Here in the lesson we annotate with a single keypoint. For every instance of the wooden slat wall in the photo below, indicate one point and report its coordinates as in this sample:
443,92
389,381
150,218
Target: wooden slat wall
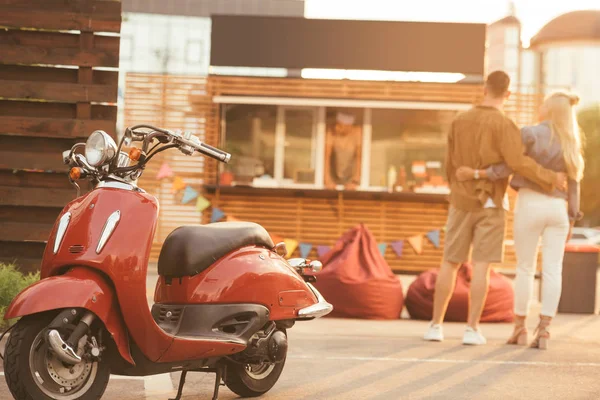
173,102
165,100
51,96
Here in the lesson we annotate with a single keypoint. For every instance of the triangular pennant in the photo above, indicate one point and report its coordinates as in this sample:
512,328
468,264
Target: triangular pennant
217,214
178,184
398,247
434,237
290,245
189,194
305,249
322,250
202,203
417,243
164,172
444,228
229,218
382,248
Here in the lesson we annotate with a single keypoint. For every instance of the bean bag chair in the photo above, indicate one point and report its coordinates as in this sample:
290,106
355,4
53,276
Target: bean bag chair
498,306
357,280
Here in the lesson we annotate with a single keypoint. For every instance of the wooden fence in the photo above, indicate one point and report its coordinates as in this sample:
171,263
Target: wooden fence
173,102
51,96
186,103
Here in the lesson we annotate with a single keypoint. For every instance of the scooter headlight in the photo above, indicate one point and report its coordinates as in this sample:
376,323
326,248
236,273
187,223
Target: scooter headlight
100,149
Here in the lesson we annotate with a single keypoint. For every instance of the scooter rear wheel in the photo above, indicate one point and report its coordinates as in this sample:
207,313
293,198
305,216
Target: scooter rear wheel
33,373
252,380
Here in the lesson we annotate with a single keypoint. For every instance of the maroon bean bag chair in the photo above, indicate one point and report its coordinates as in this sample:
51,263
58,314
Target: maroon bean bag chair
498,305
357,280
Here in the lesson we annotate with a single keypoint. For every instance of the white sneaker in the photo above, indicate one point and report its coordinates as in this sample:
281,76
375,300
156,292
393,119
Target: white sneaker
473,337
434,333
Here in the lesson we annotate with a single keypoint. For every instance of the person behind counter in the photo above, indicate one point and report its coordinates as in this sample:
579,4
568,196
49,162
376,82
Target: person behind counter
343,153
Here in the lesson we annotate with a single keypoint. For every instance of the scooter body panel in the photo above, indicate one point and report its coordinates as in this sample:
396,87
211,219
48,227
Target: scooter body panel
123,259
248,275
79,287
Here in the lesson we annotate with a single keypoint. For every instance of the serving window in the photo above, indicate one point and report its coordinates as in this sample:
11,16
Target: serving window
396,149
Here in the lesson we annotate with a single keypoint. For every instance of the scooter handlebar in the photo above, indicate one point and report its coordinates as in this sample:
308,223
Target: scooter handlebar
215,153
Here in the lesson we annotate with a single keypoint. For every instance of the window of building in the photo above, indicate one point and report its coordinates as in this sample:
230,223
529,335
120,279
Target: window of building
299,136
408,148
336,147
194,50
126,53
250,138
511,37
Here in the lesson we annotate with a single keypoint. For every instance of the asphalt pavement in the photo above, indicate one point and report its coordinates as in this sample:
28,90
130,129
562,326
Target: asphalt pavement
358,359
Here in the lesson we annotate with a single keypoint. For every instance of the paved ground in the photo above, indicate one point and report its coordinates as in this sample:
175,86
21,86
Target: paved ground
352,359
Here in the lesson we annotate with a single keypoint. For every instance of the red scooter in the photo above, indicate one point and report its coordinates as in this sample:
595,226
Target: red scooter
223,302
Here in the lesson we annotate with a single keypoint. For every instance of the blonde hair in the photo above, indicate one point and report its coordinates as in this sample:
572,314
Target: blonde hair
559,110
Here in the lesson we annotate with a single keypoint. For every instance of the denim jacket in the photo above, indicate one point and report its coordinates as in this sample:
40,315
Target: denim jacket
547,152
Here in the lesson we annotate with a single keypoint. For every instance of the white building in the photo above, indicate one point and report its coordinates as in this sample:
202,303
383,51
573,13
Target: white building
568,54
173,36
564,54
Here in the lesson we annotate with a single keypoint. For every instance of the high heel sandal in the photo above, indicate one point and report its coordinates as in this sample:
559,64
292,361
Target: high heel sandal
519,335
542,334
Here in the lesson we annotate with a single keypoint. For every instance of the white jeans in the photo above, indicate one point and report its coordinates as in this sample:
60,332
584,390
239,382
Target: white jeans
539,215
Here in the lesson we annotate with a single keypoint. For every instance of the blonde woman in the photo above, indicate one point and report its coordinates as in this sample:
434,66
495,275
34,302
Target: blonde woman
555,144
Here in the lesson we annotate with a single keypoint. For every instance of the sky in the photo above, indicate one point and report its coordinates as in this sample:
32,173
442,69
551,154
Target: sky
534,14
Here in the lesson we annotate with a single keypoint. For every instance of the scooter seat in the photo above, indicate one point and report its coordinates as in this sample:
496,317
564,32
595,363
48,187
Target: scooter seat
189,250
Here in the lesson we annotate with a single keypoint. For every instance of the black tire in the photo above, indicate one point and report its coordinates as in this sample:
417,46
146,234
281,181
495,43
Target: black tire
242,384
17,372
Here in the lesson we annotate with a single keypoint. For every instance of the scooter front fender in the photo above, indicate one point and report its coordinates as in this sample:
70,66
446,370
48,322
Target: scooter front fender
79,287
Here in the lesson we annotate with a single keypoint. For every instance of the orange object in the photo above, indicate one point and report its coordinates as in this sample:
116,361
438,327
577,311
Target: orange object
582,248
178,184
357,280
135,153
416,243
75,173
498,305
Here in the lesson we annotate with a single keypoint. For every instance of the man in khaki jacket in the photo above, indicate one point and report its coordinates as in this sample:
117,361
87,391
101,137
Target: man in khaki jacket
479,138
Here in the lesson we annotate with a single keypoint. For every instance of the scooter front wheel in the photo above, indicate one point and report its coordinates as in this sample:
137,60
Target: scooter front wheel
33,372
252,380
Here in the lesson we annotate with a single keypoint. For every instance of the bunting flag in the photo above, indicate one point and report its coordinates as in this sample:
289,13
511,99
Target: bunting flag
178,184
305,249
217,214
164,172
382,248
202,203
434,237
290,245
444,228
229,218
189,194
398,247
322,250
417,243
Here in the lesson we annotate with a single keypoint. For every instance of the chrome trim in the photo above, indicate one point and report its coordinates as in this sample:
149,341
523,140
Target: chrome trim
60,231
107,231
320,309
123,160
62,350
116,185
296,262
110,148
